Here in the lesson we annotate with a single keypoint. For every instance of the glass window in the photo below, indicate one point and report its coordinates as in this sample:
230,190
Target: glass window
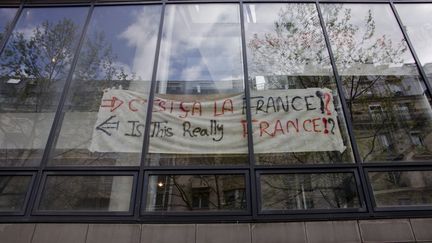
419,28
6,17
86,193
13,191
385,95
296,113
33,69
198,109
308,191
106,108
402,188
180,193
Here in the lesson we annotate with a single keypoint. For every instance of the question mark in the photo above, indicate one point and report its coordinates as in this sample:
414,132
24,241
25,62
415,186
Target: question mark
331,121
327,98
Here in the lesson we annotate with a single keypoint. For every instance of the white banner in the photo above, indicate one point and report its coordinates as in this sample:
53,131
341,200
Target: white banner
297,120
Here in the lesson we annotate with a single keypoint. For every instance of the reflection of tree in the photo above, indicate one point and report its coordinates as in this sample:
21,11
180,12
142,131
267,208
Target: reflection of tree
303,191
294,52
40,62
201,192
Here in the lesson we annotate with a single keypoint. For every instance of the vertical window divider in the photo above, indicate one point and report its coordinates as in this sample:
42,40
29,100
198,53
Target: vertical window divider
366,193
11,27
146,137
412,50
58,116
253,182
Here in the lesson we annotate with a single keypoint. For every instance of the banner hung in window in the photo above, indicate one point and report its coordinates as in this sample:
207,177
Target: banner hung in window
297,120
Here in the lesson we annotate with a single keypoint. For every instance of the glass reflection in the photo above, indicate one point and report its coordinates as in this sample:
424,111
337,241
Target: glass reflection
198,109
33,69
87,193
287,54
386,97
402,188
107,104
419,27
13,191
308,191
173,193
6,17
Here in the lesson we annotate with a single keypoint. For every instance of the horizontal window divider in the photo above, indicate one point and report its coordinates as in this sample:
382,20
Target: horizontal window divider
305,171
194,168
196,172
194,213
398,168
92,168
97,4
305,166
55,5
81,213
14,170
90,173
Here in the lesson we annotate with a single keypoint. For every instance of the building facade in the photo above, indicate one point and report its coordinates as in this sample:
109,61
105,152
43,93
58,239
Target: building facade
215,121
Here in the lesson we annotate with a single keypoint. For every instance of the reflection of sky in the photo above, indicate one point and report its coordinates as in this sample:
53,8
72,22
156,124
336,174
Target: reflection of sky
132,32
32,17
6,16
260,20
418,21
201,42
383,17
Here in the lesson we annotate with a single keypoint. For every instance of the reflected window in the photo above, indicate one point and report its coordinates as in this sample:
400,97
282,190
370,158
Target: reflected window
86,193
183,193
384,92
106,108
402,188
308,191
199,102
33,68
296,114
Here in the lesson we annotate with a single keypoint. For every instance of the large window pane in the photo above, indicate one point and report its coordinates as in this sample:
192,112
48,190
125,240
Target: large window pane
33,69
6,17
13,191
386,97
198,109
174,193
107,104
87,193
402,188
419,26
295,104
308,191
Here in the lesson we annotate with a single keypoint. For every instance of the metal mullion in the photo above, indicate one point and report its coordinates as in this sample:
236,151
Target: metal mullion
187,167
11,28
413,52
146,137
348,122
252,177
57,118
152,2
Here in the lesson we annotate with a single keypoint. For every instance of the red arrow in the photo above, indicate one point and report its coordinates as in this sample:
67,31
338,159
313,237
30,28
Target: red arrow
113,103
